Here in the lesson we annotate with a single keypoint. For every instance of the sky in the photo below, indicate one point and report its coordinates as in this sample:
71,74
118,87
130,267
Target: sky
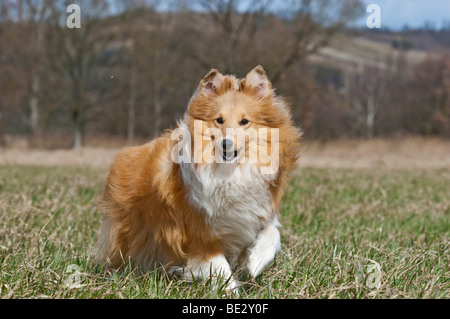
395,14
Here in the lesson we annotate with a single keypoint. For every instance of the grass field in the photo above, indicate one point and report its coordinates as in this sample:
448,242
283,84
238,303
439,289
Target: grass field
347,234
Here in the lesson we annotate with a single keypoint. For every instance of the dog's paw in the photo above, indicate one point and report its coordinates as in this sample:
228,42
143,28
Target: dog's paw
232,287
177,272
256,264
263,252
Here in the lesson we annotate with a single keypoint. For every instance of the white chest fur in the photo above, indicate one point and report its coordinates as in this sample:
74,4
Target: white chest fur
234,198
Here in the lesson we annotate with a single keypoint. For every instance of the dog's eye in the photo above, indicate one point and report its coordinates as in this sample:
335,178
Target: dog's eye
220,120
243,122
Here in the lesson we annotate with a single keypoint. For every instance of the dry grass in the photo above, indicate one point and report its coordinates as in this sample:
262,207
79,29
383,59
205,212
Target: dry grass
89,157
405,153
338,223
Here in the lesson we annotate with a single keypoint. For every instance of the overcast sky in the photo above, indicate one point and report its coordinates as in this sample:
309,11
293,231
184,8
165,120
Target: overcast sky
397,13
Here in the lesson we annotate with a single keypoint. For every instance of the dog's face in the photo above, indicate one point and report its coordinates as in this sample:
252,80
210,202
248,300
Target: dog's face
229,126
236,120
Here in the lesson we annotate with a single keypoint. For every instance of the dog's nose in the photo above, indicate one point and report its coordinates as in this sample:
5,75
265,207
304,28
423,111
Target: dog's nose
227,144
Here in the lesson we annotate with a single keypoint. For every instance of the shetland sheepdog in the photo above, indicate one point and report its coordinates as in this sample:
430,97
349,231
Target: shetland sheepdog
202,200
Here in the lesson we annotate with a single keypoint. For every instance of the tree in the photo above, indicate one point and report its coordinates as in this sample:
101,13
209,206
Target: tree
242,34
429,107
367,90
147,64
23,58
312,25
75,54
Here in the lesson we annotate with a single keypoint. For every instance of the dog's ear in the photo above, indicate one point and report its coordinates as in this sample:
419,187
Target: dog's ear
211,82
257,79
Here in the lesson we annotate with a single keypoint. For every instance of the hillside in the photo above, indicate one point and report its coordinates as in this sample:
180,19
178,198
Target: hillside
373,49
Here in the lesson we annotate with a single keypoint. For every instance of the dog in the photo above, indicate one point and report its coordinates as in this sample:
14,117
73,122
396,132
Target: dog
202,200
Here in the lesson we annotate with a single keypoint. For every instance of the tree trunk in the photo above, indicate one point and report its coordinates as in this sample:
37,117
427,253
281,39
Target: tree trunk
78,138
370,120
78,130
78,111
35,87
132,103
34,112
157,108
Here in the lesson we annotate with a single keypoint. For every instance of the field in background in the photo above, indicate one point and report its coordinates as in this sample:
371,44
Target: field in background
401,153
379,231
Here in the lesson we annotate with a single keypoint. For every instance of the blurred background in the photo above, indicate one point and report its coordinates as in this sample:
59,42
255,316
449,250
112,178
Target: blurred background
128,73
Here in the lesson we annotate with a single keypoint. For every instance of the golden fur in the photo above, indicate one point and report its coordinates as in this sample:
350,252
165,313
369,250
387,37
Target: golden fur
150,218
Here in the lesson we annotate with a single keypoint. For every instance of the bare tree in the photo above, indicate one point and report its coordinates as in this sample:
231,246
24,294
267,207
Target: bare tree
367,90
38,11
75,54
241,31
23,55
145,50
428,108
312,25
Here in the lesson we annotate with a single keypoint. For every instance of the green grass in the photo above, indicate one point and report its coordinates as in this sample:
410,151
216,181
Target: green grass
337,225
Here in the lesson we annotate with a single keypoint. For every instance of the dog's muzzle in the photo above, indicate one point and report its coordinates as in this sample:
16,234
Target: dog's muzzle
228,152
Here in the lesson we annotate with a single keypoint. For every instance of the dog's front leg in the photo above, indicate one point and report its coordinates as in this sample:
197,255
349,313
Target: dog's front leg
267,245
215,267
